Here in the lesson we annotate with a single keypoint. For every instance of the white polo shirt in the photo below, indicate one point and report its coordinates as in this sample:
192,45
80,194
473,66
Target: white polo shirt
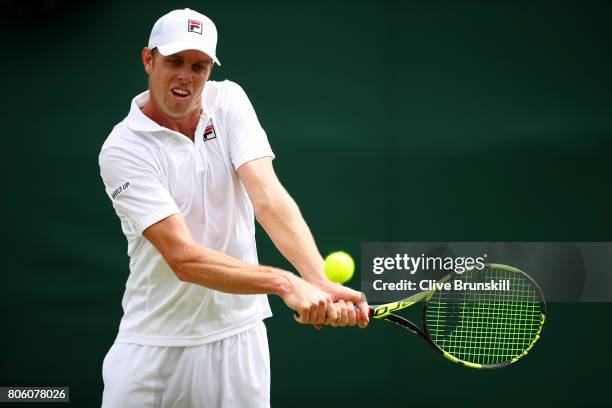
151,172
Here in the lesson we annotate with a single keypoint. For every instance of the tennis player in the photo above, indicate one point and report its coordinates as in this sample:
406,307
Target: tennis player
187,171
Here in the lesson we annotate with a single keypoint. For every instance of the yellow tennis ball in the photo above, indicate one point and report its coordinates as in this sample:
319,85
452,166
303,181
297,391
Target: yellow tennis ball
339,267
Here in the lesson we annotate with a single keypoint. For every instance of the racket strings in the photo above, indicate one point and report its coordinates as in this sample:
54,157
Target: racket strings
485,326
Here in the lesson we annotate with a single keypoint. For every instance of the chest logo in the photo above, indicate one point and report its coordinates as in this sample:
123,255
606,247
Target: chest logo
209,131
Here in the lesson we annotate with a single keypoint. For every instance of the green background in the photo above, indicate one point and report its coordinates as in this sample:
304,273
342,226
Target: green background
391,121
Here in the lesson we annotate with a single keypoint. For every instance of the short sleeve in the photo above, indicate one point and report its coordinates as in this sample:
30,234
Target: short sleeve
135,188
248,141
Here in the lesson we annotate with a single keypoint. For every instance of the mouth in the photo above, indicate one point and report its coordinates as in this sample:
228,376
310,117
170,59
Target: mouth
180,93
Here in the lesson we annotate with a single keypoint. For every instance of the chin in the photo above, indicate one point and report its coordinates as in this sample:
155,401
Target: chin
179,113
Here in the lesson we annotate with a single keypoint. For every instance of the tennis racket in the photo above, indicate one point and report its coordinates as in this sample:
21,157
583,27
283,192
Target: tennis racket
477,328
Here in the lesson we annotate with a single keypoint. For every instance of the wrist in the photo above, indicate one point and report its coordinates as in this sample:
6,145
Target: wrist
314,276
312,271
282,282
319,281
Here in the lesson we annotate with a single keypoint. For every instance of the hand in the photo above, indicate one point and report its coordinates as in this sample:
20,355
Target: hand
311,304
352,308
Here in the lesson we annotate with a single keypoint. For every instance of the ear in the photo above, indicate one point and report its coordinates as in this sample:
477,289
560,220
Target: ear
147,60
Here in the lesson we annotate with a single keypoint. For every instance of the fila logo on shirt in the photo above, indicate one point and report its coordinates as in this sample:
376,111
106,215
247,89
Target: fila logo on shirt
209,131
194,26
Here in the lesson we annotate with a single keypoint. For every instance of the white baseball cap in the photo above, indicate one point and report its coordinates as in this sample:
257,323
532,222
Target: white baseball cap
181,30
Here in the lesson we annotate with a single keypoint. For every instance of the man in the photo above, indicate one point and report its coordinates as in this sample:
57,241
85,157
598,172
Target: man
187,170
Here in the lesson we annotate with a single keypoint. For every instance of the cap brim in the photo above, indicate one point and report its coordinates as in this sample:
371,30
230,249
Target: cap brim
178,46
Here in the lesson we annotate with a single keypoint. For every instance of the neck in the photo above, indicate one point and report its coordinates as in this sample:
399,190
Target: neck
186,124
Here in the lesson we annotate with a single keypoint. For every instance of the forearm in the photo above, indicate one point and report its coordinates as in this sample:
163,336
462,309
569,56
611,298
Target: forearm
216,270
284,224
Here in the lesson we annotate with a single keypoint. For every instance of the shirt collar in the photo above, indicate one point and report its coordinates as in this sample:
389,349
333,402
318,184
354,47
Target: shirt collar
139,122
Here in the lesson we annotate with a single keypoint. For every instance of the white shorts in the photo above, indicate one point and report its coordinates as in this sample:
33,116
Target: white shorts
233,372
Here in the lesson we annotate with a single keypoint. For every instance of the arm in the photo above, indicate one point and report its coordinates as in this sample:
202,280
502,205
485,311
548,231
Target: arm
213,269
280,217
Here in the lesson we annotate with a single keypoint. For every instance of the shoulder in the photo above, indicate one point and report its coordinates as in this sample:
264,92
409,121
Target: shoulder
124,143
224,86
219,94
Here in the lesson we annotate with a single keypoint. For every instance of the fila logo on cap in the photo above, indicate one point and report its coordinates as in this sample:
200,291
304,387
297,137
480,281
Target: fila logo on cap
194,26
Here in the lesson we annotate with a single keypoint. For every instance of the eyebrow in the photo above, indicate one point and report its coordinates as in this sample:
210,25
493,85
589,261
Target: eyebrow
208,61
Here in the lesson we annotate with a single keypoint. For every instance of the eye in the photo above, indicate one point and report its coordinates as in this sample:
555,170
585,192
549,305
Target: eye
199,68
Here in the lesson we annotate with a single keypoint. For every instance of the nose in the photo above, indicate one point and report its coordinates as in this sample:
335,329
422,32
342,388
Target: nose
184,75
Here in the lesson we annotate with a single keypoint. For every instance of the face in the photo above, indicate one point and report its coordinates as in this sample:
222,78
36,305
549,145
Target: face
176,81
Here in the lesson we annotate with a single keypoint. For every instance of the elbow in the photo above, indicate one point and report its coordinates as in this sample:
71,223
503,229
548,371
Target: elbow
180,265
274,204
271,200
181,271
263,207
270,212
